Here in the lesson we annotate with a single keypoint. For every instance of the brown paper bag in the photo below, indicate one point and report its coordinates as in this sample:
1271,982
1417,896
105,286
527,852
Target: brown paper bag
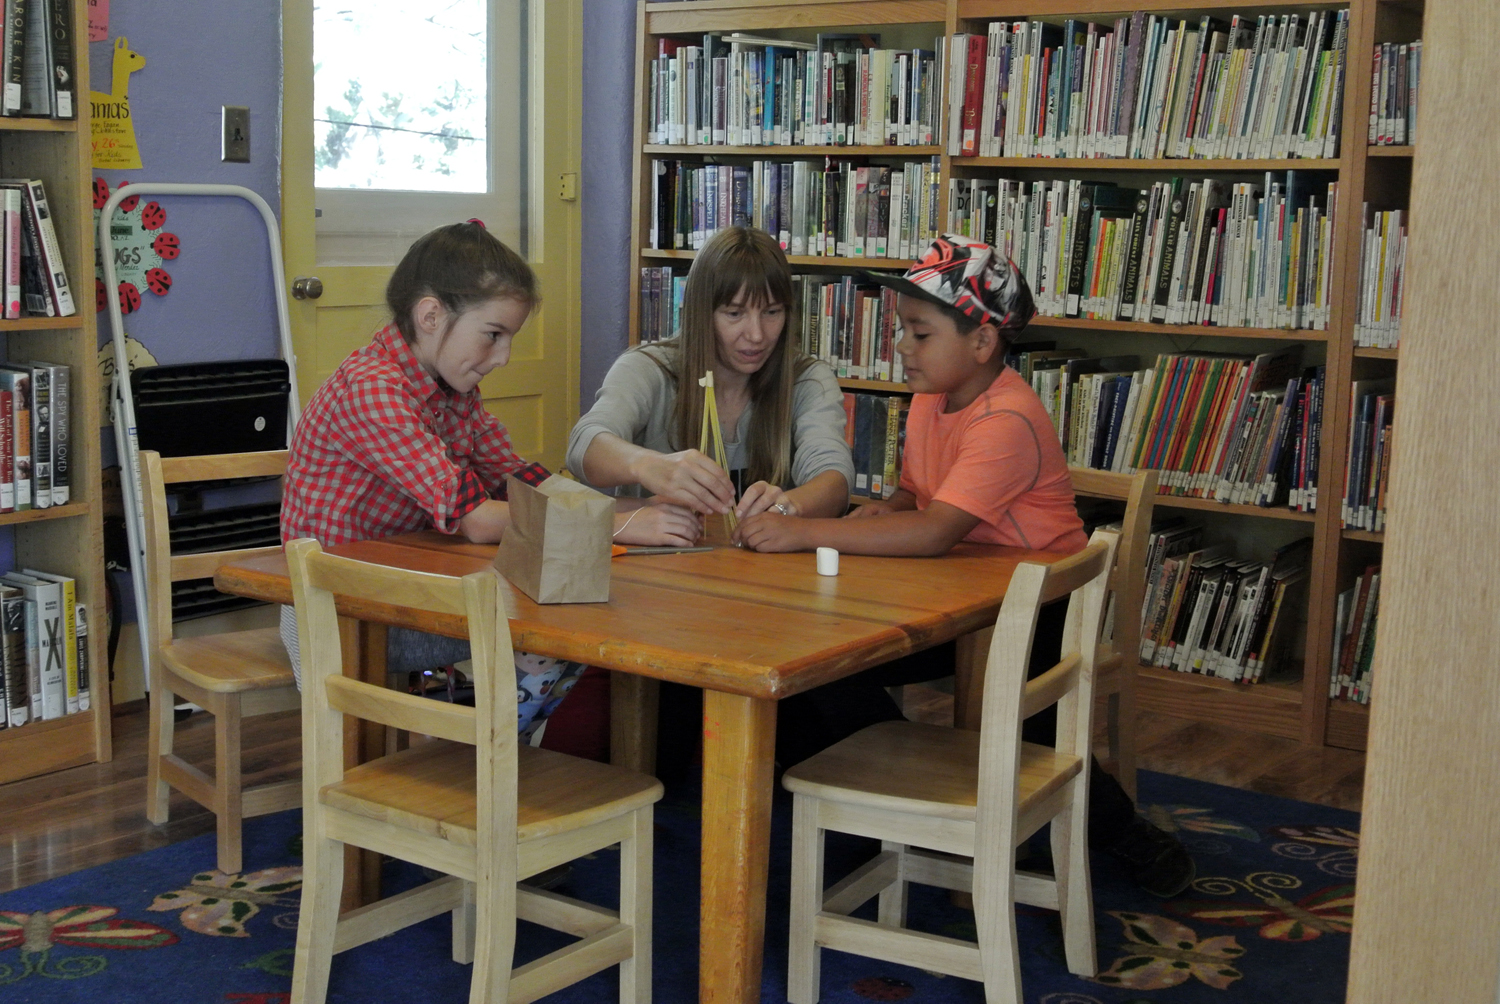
557,547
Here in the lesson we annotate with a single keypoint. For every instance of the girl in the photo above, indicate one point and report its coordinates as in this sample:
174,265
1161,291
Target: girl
398,438
782,411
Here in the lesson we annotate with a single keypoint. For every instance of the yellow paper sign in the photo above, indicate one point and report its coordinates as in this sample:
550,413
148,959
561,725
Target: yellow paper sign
113,128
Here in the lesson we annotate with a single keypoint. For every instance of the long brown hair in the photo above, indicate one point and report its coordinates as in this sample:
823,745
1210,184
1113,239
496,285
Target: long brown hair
738,260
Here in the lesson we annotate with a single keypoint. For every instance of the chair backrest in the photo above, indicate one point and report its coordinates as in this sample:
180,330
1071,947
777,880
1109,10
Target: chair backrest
1128,583
1009,698
162,568
328,695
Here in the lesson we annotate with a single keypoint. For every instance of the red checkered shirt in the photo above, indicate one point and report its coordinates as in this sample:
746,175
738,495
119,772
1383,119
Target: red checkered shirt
383,448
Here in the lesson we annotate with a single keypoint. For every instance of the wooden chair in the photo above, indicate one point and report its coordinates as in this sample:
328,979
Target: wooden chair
472,803
936,796
1115,680
232,676
1115,671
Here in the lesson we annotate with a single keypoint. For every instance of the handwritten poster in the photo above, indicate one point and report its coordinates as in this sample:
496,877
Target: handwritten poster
114,130
98,20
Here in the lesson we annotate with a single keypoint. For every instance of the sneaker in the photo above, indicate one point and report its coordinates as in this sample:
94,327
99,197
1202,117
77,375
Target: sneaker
1157,860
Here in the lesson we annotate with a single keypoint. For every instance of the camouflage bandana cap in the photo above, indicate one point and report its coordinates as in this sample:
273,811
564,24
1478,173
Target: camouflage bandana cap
971,277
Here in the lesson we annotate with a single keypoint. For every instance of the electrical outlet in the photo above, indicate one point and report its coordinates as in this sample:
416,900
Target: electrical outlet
236,146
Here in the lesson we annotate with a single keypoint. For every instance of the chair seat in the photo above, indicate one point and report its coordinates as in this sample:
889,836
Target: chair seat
924,769
430,789
231,663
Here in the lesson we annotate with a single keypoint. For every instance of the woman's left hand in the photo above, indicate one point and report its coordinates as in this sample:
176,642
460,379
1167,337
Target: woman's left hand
771,531
762,496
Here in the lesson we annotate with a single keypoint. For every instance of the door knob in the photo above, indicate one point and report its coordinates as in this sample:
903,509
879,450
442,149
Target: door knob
307,287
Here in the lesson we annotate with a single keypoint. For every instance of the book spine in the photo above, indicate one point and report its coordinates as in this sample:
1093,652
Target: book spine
37,89
62,432
12,220
81,647
57,273
15,55
68,631
20,388
41,437
7,452
13,651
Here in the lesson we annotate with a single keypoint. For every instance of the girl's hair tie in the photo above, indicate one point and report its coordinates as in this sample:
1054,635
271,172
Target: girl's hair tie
478,221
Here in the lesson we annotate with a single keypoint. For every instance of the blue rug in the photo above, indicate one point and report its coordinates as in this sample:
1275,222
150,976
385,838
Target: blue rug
1268,920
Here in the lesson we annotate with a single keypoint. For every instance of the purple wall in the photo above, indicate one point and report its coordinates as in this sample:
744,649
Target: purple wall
200,56
608,107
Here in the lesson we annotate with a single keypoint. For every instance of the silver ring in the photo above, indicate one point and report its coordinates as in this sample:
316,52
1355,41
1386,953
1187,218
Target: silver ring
781,507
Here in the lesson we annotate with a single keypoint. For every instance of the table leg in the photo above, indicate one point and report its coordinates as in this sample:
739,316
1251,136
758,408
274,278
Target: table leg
632,721
739,744
971,654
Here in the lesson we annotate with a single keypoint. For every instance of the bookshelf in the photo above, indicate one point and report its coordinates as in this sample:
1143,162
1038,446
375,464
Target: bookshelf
1297,708
66,539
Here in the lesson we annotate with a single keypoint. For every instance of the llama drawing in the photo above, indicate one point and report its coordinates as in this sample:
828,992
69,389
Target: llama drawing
114,130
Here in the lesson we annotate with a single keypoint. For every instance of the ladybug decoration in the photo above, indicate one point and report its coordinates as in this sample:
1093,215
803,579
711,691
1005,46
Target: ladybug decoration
158,281
139,247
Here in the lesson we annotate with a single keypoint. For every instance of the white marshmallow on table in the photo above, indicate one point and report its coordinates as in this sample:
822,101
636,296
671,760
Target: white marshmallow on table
828,561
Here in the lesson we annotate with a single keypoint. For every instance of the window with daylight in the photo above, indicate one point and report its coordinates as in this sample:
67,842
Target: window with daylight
419,119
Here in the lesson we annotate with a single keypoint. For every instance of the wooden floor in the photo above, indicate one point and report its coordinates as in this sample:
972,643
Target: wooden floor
63,822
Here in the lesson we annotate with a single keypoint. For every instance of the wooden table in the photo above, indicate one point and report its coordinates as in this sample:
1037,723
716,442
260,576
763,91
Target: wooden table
747,628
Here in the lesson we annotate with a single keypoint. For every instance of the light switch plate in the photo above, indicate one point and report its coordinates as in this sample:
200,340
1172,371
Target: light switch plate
236,145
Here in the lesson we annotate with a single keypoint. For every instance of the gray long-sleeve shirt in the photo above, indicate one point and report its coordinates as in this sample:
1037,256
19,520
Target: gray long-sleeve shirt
637,398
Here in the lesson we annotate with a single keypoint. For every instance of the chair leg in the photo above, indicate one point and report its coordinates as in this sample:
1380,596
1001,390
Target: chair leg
228,800
1070,862
892,909
494,926
463,922
635,907
804,957
322,887
1126,726
995,920
159,737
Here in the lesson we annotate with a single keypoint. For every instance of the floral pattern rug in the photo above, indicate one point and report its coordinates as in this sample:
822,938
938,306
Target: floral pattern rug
1268,919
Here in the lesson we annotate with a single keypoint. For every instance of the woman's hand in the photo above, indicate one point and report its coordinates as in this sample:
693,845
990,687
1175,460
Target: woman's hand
771,531
663,525
762,496
688,479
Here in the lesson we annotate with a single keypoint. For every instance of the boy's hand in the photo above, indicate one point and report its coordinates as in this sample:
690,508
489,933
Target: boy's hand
762,496
661,525
771,531
689,479
870,509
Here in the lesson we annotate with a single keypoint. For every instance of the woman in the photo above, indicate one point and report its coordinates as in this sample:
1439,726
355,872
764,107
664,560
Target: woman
781,411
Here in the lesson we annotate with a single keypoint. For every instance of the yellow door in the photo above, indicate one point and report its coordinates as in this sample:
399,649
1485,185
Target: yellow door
533,157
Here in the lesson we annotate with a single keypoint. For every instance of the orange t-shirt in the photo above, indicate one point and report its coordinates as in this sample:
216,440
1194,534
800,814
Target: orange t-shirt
998,459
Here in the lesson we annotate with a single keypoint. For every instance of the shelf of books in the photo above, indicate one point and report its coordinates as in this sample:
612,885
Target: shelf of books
1209,205
54,700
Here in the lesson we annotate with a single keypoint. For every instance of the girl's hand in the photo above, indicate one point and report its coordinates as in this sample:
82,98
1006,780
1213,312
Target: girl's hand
762,496
688,479
870,509
658,525
771,531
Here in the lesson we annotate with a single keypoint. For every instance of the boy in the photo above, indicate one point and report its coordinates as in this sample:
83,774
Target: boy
982,464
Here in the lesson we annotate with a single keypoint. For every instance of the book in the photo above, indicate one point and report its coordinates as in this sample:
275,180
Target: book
59,627
81,647
15,387
13,663
45,601
41,434
10,219
61,47
37,88
53,268
14,55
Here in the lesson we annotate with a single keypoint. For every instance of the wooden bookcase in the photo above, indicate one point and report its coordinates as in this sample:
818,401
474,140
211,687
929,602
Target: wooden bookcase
1299,709
66,539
